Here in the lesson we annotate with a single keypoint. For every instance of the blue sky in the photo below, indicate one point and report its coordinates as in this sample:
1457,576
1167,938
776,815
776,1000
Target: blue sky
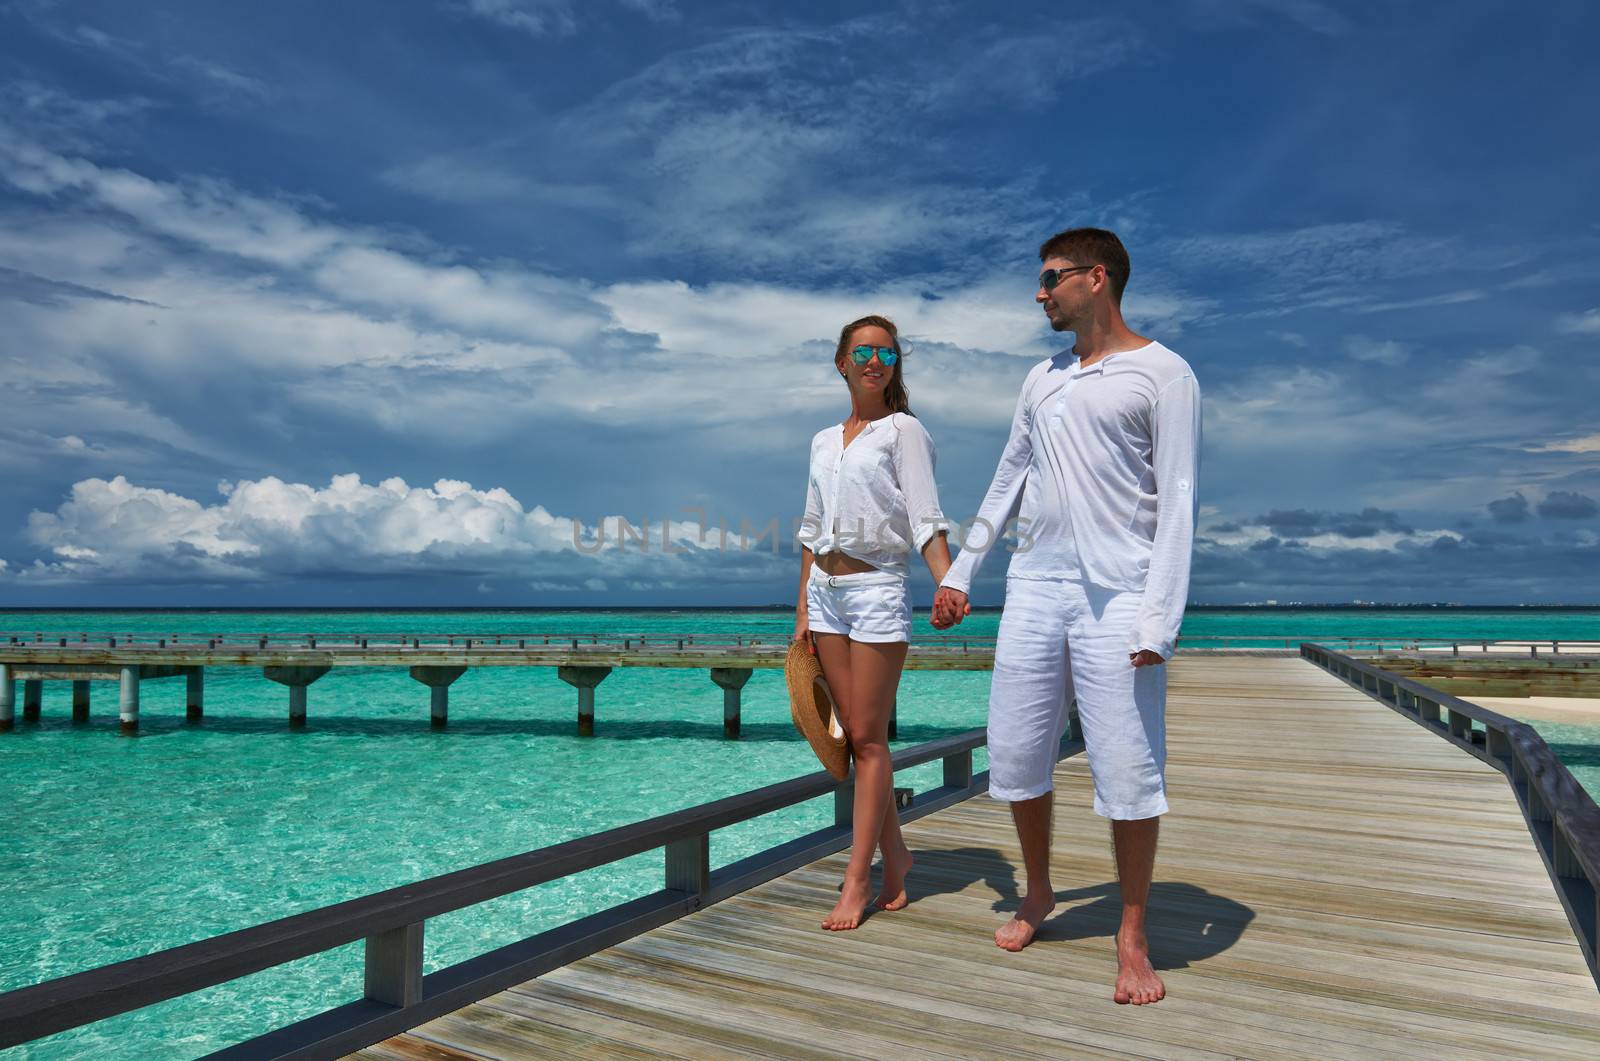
376,303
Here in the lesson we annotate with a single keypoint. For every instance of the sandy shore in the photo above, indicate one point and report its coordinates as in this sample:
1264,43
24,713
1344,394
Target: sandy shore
1572,709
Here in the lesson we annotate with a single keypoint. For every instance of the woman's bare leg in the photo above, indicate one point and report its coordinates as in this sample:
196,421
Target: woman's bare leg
874,672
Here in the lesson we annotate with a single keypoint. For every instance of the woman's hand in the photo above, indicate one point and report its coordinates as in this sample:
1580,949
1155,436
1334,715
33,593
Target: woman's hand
802,632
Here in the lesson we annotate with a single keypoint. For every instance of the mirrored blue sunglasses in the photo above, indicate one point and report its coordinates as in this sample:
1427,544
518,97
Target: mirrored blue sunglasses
886,355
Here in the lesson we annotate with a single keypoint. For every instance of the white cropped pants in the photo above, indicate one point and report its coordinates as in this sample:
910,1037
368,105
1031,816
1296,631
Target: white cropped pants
1060,639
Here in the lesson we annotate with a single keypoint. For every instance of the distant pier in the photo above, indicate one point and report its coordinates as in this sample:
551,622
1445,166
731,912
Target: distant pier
584,661
436,661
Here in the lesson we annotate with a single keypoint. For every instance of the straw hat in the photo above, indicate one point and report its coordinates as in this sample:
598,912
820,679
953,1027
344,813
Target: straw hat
811,707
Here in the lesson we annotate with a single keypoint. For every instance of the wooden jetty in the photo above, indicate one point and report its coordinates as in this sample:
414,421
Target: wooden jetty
583,661
1356,866
1333,881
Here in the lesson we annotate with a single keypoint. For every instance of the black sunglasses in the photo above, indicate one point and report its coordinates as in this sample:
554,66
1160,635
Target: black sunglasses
1051,277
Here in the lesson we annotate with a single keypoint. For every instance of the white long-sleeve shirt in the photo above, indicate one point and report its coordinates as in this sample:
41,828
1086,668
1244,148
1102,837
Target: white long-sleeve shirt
874,499
1100,470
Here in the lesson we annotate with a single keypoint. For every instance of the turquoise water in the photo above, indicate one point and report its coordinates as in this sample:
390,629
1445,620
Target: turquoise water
114,848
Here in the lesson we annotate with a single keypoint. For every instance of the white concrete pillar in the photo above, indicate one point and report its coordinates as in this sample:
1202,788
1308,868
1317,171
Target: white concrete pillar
128,703
8,698
731,680
584,679
438,680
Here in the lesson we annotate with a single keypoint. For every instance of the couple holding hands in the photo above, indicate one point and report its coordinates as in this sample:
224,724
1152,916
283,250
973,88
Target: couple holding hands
1099,472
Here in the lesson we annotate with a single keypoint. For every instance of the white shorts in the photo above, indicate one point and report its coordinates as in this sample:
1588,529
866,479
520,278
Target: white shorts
1061,639
869,606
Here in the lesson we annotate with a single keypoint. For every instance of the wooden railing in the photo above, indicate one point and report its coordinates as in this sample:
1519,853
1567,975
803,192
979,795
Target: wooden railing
925,638
397,994
1561,815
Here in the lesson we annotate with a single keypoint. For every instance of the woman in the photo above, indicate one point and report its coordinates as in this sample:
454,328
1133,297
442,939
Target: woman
871,501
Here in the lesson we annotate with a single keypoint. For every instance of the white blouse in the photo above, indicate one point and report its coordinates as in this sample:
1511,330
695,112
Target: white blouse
874,499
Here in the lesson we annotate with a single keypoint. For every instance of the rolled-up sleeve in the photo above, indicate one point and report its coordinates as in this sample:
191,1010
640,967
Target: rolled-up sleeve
811,522
914,459
1001,503
1175,456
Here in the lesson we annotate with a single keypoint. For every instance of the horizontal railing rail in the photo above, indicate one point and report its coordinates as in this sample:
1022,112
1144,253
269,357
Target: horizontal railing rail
397,994
1561,815
507,639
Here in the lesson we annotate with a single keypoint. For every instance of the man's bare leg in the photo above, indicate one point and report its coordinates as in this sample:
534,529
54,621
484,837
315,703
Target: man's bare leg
1135,845
1033,820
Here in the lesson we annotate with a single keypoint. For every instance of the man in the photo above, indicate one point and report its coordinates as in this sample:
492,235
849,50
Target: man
1100,470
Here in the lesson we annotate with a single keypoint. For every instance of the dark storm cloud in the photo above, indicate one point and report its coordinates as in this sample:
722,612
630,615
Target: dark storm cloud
1513,509
1303,523
1563,504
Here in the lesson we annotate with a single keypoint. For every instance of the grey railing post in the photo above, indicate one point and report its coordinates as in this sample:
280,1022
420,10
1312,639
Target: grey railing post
584,679
1460,725
8,697
80,701
958,770
1428,710
844,802
689,864
128,700
731,680
1499,744
394,966
195,694
438,680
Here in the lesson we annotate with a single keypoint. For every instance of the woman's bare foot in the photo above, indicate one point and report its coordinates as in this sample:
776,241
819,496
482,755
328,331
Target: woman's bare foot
852,905
1137,982
1019,931
895,868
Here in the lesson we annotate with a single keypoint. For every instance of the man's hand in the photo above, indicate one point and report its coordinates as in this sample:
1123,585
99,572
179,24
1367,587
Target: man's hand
950,606
1144,658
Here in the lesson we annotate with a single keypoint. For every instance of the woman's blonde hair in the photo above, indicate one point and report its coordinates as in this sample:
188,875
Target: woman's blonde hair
894,395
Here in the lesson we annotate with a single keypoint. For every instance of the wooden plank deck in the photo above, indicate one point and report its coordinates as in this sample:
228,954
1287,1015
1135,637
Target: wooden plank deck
1333,882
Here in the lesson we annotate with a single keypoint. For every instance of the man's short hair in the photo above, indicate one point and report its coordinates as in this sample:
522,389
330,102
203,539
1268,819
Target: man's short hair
1092,246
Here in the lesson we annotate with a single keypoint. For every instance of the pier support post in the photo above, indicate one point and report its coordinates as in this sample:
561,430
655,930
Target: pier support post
32,698
296,678
128,702
195,702
584,679
894,719
731,680
438,680
80,701
8,698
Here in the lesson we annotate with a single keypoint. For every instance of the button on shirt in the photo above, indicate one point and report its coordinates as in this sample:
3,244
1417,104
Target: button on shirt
874,499
1100,471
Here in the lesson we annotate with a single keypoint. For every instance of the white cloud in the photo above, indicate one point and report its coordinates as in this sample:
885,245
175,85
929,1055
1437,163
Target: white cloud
1378,351
115,530
1585,323
537,18
1582,444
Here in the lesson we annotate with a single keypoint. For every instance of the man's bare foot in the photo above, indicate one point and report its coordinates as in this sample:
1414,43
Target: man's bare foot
1019,931
1137,981
852,905
895,868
